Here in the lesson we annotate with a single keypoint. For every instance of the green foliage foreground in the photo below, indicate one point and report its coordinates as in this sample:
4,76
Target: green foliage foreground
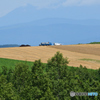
51,81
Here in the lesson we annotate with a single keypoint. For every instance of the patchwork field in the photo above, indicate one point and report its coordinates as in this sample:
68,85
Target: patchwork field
85,54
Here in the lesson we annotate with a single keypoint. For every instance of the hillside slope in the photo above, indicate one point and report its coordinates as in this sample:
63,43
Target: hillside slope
73,52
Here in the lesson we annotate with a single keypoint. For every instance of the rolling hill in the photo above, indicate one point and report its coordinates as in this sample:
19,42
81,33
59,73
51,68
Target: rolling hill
85,54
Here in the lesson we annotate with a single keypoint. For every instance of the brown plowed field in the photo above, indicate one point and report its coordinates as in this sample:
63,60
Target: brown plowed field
73,52
93,49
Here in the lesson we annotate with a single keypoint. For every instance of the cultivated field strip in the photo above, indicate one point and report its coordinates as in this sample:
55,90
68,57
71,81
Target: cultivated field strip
26,53
93,49
73,52
89,51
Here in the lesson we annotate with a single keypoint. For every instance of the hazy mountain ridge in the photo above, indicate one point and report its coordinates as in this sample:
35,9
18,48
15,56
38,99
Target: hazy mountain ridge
48,21
9,45
30,14
28,25
51,21
62,32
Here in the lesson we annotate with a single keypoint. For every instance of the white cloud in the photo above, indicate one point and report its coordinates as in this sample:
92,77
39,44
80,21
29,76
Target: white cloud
90,2
45,3
8,5
71,2
80,2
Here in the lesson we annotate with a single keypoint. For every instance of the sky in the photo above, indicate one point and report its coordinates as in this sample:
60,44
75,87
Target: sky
7,6
69,9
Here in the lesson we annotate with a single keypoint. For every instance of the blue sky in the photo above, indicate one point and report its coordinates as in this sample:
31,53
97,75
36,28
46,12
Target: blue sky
21,11
7,6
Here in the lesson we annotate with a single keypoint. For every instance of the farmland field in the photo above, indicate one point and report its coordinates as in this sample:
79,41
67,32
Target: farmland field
10,63
85,54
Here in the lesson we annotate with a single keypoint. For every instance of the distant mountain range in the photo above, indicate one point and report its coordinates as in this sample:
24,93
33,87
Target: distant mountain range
52,30
9,45
29,13
27,25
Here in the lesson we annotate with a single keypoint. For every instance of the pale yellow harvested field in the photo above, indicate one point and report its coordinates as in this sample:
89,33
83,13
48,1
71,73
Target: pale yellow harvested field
73,52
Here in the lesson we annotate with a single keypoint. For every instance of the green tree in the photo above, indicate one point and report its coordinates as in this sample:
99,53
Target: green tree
37,72
21,78
48,95
10,74
7,90
4,70
57,66
40,79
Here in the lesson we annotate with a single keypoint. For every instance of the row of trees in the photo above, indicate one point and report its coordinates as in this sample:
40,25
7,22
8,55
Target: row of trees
94,43
51,81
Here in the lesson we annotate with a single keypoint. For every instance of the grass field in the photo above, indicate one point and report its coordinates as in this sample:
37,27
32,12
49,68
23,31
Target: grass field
10,63
73,52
